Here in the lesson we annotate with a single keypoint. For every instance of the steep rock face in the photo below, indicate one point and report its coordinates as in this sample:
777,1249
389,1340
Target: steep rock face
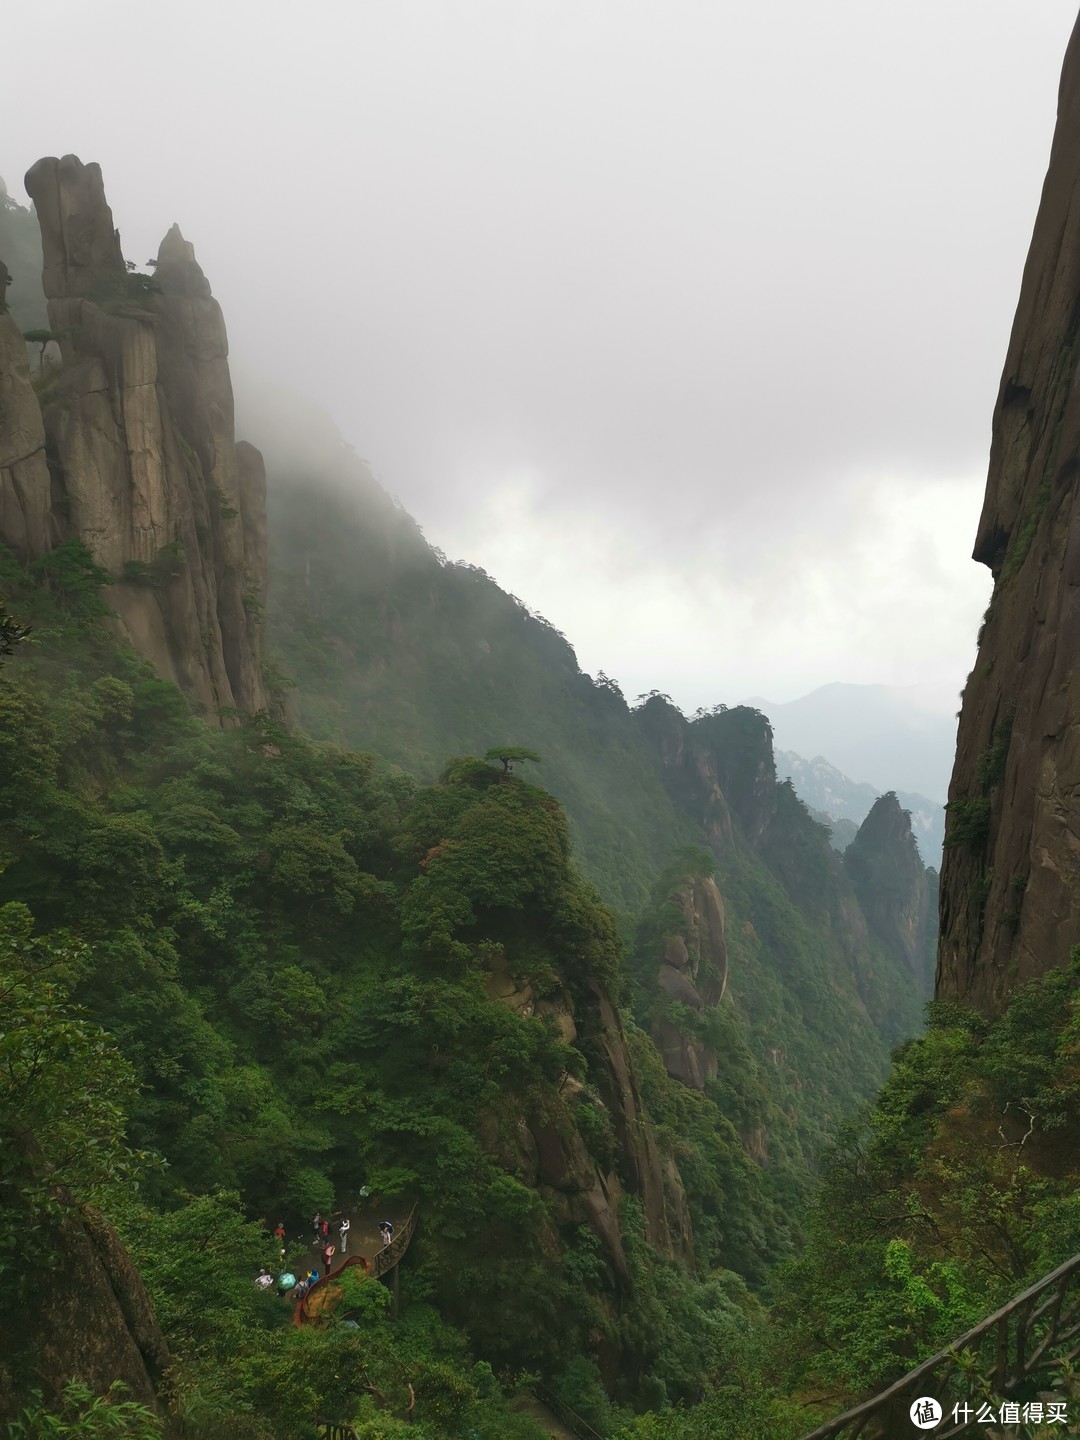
25,515
687,769
545,1148
91,1320
80,248
893,888
140,441
1010,897
722,764
657,1186
693,971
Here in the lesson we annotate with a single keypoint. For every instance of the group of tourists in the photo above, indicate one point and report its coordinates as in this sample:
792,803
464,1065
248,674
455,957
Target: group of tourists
287,1281
322,1237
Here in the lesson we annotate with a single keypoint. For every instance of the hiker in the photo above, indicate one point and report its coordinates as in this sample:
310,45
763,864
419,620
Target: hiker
279,1233
264,1279
318,1223
328,1255
343,1234
386,1230
325,1231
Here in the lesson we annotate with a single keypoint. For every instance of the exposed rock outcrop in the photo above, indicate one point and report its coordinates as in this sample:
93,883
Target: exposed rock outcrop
693,971
80,248
91,1320
1010,882
893,887
139,434
544,1146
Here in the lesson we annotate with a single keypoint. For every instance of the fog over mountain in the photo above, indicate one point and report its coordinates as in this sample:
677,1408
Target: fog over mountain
679,320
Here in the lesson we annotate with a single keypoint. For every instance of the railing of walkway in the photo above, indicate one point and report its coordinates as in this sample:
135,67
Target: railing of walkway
569,1416
330,1431
1035,1331
390,1254
307,1308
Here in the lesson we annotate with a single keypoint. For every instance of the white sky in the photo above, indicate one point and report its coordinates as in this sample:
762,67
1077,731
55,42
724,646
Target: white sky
685,320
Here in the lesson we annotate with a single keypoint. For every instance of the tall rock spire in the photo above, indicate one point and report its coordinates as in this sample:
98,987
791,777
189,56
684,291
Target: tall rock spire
140,439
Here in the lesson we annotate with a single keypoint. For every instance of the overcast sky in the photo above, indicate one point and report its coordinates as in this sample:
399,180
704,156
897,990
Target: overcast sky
684,320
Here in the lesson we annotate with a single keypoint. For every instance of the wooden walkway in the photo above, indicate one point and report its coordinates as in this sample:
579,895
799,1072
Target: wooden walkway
1035,1332
319,1302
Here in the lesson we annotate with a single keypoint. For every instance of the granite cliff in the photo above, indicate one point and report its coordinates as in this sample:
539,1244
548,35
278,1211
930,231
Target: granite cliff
1010,897
543,1145
128,445
693,971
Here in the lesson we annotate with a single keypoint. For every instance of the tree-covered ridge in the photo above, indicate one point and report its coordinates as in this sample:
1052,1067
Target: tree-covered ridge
319,976
398,652
313,973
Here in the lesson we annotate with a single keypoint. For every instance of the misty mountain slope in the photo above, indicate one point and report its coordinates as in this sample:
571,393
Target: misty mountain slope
829,790
876,733
398,653
417,660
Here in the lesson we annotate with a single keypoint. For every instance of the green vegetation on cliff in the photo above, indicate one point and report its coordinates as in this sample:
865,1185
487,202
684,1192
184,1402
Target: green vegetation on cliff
317,976
323,973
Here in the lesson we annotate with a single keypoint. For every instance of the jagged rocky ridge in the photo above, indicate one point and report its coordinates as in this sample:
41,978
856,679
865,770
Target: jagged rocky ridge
870,917
1010,897
129,445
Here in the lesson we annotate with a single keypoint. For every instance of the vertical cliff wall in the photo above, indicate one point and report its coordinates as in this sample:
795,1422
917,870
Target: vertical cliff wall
140,447
1010,882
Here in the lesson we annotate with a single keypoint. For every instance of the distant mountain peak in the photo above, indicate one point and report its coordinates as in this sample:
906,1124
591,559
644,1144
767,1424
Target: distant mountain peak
890,737
827,790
